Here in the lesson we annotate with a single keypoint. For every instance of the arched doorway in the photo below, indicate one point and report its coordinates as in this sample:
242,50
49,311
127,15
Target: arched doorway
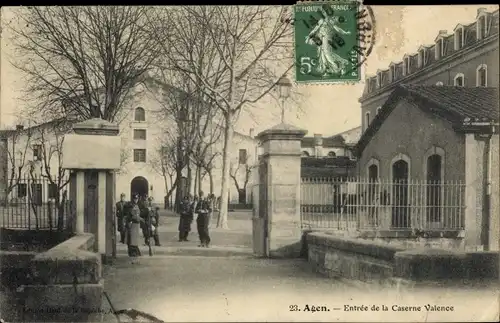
400,211
139,185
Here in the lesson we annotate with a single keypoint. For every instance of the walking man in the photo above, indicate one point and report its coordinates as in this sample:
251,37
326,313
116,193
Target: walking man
203,209
121,217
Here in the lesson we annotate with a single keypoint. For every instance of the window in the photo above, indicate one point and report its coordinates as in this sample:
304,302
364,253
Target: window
139,155
373,172
37,152
481,27
393,73
139,134
22,190
421,58
459,38
459,80
378,110
332,154
406,66
481,73
439,83
52,191
140,114
367,120
242,158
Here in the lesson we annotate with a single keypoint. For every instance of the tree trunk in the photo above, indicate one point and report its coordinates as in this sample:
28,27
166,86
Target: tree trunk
190,178
200,187
211,178
196,187
178,191
226,159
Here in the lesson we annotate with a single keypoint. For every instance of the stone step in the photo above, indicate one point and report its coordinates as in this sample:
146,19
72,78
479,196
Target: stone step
212,251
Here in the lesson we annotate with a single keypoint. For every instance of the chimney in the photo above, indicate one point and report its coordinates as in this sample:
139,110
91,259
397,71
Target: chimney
443,32
250,133
318,145
19,127
481,10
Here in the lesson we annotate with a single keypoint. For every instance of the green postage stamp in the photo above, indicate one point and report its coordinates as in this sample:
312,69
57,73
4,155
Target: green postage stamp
332,40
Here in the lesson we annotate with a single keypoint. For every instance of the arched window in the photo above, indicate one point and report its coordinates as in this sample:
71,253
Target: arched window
378,110
434,160
305,154
459,80
439,83
140,114
332,154
400,174
481,75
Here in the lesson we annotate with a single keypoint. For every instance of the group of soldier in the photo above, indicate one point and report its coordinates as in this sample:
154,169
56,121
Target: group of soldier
139,214
135,216
203,207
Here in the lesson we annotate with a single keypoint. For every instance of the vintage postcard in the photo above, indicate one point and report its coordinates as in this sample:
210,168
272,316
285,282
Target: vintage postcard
325,161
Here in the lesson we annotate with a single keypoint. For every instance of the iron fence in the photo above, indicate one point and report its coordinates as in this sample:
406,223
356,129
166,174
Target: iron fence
36,204
362,204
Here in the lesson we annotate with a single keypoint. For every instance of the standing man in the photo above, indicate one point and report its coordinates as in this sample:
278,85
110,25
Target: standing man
203,209
121,217
154,218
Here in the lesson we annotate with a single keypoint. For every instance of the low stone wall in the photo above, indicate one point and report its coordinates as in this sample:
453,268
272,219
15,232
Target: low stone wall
382,263
410,239
66,282
349,258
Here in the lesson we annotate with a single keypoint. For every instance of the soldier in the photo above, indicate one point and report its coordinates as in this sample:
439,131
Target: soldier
154,217
120,217
185,219
203,209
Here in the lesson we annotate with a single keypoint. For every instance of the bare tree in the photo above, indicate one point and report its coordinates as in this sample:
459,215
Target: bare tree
177,115
51,139
81,60
240,173
164,163
16,148
252,48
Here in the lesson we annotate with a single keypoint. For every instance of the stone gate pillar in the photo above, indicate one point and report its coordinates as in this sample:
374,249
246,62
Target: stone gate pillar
279,192
92,153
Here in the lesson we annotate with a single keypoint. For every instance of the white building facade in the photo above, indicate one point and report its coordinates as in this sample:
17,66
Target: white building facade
142,130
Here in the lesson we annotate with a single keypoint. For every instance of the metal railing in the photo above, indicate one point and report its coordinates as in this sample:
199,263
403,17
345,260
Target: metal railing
36,204
362,204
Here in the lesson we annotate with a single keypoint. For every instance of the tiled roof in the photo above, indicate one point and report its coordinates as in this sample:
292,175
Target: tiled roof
457,102
452,103
335,162
308,142
326,172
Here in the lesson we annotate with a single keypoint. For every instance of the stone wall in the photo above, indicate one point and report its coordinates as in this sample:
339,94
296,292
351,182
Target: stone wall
66,283
381,263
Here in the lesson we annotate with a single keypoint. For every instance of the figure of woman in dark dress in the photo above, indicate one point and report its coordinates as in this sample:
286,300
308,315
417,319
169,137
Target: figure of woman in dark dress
134,222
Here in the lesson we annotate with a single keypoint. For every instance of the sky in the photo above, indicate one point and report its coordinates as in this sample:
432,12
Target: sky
324,109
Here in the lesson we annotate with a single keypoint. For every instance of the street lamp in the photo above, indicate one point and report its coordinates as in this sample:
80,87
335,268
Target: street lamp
284,86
